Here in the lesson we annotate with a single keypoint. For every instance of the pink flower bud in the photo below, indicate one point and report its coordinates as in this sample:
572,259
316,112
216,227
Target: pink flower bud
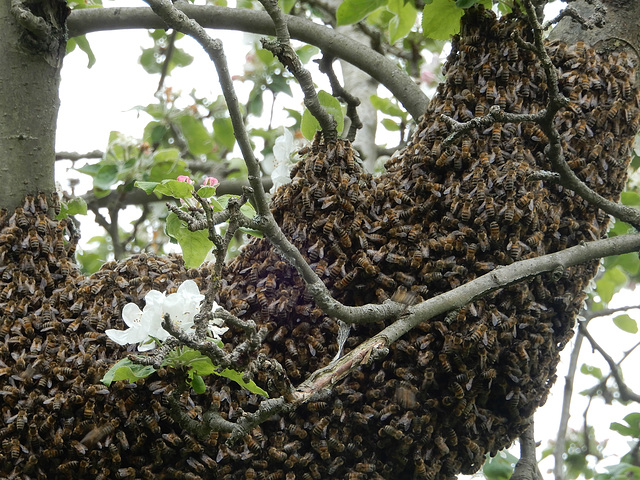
210,182
184,178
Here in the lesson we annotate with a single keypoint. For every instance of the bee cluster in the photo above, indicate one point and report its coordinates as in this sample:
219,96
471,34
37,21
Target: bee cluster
452,390
58,420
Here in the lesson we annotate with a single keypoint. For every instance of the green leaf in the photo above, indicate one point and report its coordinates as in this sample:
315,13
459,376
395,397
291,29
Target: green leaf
90,169
82,43
626,323
499,467
166,155
286,5
441,19
77,206
252,232
197,383
237,377
309,125
611,281
465,3
106,176
403,21
306,52
590,370
352,11
630,199
197,137
174,188
223,132
206,192
125,369
387,106
195,245
279,84
148,187
332,105
621,429
390,125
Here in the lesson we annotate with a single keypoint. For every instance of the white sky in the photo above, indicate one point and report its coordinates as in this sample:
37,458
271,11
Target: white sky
97,100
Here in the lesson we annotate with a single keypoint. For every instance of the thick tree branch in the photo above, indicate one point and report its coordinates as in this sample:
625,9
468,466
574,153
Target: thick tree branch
527,466
377,346
328,40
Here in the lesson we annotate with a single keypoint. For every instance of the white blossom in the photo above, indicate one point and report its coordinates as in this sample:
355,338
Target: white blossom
146,325
283,152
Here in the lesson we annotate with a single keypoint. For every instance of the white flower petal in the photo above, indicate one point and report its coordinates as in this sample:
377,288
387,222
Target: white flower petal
131,314
118,336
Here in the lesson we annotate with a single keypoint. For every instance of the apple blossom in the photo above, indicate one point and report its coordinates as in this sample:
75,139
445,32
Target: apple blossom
145,327
210,181
185,178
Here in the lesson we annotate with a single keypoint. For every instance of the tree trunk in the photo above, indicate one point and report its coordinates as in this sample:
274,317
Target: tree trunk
32,43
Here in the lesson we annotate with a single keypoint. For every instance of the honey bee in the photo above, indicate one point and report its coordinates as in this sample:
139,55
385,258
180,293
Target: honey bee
316,251
465,212
481,107
365,467
346,280
463,114
537,135
440,443
362,260
444,360
89,407
337,269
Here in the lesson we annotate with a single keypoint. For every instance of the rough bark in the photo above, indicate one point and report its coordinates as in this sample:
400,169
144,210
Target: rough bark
30,75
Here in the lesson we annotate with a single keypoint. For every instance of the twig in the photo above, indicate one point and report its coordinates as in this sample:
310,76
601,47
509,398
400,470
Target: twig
73,156
559,449
626,394
281,48
607,311
326,67
167,59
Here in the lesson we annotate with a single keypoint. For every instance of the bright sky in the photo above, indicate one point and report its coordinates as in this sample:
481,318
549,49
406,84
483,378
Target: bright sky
101,99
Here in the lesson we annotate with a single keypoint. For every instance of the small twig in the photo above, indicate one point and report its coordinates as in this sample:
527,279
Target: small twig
607,311
167,59
559,449
281,48
597,19
326,66
626,394
495,114
74,156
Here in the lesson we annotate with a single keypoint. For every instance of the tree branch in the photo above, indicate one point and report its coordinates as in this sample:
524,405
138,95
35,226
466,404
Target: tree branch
283,51
527,466
559,449
555,151
328,40
626,394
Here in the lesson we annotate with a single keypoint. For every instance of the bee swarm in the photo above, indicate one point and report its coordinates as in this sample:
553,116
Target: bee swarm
449,392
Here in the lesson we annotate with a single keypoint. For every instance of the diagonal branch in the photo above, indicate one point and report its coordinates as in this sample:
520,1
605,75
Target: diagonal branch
284,52
626,394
